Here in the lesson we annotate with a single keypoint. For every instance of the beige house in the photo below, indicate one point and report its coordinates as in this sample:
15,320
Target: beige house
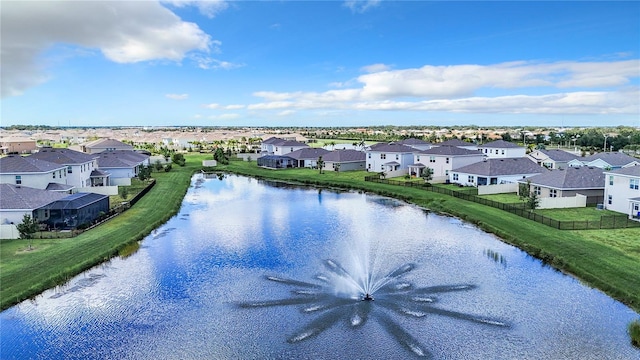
17,145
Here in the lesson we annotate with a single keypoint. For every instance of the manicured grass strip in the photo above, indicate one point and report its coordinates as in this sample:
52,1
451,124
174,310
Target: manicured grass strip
27,273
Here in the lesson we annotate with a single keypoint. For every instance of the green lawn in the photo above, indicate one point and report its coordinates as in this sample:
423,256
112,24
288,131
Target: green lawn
606,259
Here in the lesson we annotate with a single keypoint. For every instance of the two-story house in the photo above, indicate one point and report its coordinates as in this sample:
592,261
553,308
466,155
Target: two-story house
79,165
389,157
622,191
278,146
442,160
502,149
33,172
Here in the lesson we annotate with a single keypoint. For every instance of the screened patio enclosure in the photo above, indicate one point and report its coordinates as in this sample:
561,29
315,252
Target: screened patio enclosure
75,210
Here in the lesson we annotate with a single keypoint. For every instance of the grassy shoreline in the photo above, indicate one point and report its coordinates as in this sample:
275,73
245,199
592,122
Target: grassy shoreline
590,255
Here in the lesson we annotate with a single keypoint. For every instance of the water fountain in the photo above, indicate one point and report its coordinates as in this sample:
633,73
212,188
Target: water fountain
341,294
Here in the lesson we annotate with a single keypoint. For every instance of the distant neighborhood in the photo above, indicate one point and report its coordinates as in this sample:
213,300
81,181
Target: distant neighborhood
64,187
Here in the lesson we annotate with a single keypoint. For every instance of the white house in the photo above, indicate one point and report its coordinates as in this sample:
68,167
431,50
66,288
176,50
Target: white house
121,165
442,160
17,201
79,165
101,145
622,191
552,158
32,172
278,146
607,160
389,157
495,171
502,149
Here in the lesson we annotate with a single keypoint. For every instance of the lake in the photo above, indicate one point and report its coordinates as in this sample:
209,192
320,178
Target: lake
250,269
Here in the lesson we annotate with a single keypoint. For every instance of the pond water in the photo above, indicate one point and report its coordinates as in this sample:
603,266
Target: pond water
256,270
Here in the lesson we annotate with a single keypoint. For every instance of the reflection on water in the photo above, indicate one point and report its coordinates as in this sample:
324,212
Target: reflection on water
177,296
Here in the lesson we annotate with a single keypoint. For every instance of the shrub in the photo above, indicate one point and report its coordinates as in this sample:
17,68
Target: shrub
634,332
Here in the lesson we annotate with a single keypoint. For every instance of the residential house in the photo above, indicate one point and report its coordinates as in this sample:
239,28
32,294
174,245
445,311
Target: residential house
100,145
75,210
495,171
458,143
568,182
606,160
307,157
622,191
552,158
416,144
277,161
389,157
79,165
442,160
18,200
345,160
278,146
33,172
121,165
502,149
17,145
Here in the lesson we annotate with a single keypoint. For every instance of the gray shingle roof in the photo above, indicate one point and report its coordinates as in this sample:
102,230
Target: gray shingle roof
13,197
450,150
120,159
497,167
59,187
571,178
412,141
455,142
282,142
15,164
392,148
500,144
611,158
631,171
348,155
63,156
307,153
107,143
558,155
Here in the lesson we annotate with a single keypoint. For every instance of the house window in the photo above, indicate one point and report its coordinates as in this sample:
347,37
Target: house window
418,158
383,156
18,179
54,174
447,160
553,193
455,176
69,170
610,179
502,152
537,190
485,151
397,157
609,199
369,166
470,179
369,155
446,172
432,159
291,149
634,184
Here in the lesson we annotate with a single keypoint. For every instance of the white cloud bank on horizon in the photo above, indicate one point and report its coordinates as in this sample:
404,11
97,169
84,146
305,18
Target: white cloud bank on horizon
124,31
587,88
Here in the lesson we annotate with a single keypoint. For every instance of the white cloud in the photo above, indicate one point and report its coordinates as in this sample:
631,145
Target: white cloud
234,107
211,106
286,113
360,6
206,63
374,68
124,31
209,8
521,87
177,96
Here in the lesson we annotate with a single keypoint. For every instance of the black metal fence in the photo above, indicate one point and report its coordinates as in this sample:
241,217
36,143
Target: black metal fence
470,194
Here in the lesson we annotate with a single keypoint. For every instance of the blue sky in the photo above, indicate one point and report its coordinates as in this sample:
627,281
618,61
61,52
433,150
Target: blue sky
322,63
